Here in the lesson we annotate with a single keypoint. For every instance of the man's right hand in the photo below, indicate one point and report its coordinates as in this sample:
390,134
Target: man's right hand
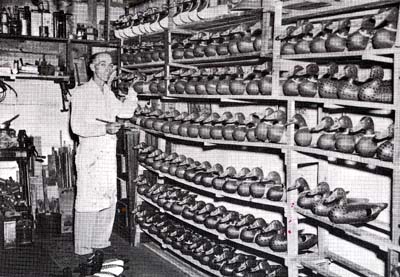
113,127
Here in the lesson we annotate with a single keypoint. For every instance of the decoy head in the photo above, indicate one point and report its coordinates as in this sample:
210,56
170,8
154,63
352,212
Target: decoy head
256,174
212,118
181,116
321,189
377,73
386,15
300,184
351,71
156,113
333,68
216,168
225,117
274,225
171,157
298,120
205,165
238,118
191,116
161,157
230,172
297,69
179,159
140,146
344,122
278,116
242,173
336,195
201,117
273,177
312,69
325,124
386,134
304,28
366,123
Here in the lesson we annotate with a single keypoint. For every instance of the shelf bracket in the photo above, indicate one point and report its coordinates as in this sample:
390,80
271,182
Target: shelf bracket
376,58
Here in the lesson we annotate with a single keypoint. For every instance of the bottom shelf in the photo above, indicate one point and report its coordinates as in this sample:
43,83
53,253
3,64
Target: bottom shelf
320,265
185,257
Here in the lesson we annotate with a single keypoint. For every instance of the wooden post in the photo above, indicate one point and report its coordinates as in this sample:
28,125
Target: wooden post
107,19
92,12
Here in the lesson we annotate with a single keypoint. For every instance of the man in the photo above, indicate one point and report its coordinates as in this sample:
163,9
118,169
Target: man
96,154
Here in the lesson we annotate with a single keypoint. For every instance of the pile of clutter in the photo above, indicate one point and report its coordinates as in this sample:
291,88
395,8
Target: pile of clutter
11,200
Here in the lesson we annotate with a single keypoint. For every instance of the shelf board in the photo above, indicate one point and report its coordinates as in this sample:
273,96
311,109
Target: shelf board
383,243
145,65
320,264
147,95
344,156
97,43
36,77
187,258
219,235
345,54
340,102
32,38
218,193
336,7
157,35
226,60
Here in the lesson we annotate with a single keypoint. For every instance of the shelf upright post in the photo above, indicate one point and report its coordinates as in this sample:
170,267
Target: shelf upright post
167,48
107,4
397,42
276,47
290,212
395,220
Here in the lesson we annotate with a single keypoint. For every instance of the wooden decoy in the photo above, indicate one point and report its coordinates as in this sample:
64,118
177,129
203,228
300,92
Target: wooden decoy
359,40
386,22
290,86
328,85
308,87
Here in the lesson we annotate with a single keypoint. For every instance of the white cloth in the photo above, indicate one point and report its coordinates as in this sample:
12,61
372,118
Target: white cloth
96,154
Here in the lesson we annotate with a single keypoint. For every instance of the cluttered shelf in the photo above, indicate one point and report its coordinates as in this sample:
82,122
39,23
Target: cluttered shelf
11,154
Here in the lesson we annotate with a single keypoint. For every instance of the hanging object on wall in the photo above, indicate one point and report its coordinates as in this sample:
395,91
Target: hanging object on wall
4,87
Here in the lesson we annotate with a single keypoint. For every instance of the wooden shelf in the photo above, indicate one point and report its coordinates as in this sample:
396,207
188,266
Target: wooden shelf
383,243
187,258
337,7
226,60
218,193
319,264
147,95
35,77
220,236
343,156
145,65
341,55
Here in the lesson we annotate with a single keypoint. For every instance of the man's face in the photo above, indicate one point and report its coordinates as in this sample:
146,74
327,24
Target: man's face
102,67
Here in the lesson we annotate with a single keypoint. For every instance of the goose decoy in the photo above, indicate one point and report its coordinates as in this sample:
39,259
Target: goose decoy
348,89
344,141
216,130
256,175
386,22
366,145
302,135
290,86
263,126
216,250
317,45
328,85
264,238
276,191
356,213
384,151
305,38
359,40
199,49
277,131
372,88
246,43
336,42
308,87
151,117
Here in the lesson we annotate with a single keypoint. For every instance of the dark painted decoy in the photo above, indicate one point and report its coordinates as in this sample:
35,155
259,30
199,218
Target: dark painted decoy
386,22
359,40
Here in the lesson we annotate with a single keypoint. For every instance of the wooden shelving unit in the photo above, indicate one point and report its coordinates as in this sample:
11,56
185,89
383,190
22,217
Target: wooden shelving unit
385,238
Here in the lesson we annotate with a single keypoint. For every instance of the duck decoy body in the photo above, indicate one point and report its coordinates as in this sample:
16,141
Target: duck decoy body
308,87
386,22
372,88
384,151
271,230
336,42
290,86
356,213
328,85
302,136
359,40
317,45
348,89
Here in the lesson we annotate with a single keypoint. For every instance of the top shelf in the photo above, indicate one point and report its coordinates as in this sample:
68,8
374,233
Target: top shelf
295,10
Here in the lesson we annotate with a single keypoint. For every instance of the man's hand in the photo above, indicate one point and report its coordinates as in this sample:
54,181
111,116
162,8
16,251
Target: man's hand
113,127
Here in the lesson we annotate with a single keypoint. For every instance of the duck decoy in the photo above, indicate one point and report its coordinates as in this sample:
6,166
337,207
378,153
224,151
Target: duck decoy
188,212
181,170
236,35
336,42
194,127
202,214
237,85
302,135
359,40
207,124
386,22
326,141
233,232
348,89
208,177
216,130
288,41
279,242
244,267
328,85
209,255
251,124
211,49
305,38
230,219
230,125
201,86
366,145
218,182
180,83
356,213
304,200
317,45
213,81
307,199
222,48
190,173
264,238
240,131
261,185
186,122
277,131
345,141
384,151
248,234
231,184
228,268
223,85
219,260
246,43
263,126
290,86
308,87
215,217
372,88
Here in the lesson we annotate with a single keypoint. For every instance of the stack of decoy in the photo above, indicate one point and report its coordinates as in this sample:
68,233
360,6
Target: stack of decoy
308,84
377,31
335,204
211,253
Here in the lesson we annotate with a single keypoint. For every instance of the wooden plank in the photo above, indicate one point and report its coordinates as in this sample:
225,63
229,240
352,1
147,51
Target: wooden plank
349,264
